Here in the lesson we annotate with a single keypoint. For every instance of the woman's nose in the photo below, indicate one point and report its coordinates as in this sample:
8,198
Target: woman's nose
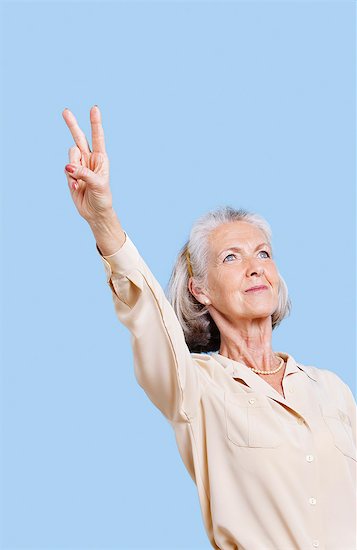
254,268
256,271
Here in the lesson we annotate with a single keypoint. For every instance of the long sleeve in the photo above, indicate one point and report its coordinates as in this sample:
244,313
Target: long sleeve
163,364
352,410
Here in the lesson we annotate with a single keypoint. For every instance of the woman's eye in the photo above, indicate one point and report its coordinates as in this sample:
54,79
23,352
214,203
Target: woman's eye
228,256
267,253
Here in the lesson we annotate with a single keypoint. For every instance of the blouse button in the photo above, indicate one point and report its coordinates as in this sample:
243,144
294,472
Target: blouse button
309,458
312,500
315,543
251,401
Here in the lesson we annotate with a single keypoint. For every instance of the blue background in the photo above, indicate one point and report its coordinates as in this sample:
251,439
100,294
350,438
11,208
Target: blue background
204,104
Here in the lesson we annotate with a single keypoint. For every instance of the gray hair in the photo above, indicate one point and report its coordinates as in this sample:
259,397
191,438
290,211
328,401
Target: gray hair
200,331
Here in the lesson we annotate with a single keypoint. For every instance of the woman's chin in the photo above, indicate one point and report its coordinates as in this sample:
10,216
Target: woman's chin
261,313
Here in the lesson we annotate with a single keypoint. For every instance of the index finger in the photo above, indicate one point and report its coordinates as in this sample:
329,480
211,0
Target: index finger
98,142
78,134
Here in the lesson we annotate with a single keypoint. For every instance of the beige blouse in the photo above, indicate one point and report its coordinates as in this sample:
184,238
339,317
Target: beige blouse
272,473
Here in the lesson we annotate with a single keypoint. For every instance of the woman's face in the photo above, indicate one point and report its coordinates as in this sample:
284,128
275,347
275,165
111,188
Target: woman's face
232,272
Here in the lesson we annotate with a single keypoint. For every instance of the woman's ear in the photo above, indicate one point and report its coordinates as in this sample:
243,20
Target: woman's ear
200,294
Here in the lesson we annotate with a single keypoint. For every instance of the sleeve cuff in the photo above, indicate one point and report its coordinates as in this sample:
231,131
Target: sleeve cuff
123,261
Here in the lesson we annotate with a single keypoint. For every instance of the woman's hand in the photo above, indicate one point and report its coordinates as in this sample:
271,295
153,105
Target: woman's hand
89,180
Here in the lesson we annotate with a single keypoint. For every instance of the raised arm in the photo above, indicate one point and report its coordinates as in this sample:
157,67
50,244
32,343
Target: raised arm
163,365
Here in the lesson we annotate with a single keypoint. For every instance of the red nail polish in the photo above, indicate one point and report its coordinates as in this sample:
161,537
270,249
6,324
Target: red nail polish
70,168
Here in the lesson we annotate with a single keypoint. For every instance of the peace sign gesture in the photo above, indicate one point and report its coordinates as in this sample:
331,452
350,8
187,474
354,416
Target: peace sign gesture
88,171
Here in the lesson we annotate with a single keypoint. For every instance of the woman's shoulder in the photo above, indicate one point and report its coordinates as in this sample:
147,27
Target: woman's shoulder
331,385
329,378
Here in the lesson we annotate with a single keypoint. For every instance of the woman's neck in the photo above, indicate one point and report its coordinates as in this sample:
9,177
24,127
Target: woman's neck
257,359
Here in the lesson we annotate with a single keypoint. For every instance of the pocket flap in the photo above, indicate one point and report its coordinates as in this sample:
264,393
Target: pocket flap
245,399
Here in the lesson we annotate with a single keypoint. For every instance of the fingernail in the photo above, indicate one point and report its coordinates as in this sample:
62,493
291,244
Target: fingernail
74,186
70,168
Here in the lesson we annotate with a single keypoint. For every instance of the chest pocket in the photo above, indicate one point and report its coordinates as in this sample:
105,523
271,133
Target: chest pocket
250,420
340,427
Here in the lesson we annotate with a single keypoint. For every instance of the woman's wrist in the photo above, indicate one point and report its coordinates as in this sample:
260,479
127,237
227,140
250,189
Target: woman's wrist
108,232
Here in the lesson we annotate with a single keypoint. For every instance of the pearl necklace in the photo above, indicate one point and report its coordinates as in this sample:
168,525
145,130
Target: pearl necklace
270,371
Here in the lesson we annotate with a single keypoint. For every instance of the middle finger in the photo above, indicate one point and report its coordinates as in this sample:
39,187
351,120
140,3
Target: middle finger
98,141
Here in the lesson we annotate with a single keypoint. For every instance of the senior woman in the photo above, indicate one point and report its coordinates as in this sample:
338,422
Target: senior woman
269,442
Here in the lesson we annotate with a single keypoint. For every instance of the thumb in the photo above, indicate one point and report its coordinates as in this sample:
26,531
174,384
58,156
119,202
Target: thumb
82,173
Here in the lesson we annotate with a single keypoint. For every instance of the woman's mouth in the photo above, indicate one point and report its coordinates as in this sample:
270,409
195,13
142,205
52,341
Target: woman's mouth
257,288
